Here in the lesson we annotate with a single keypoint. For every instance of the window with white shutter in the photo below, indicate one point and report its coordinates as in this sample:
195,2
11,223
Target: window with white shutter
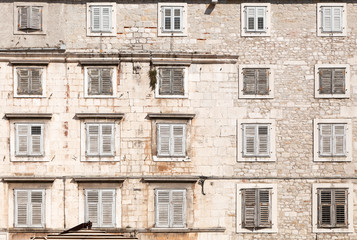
29,81
256,138
331,19
172,19
99,81
100,207
30,18
29,139
332,139
101,18
170,208
29,208
255,19
171,140
100,139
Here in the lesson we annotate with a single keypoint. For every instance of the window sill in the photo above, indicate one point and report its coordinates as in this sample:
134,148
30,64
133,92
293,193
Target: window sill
318,95
270,96
99,96
29,33
333,230
332,34
171,159
172,96
29,96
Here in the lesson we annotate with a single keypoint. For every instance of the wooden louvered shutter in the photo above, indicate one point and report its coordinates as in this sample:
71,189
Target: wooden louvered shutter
250,12
178,140
22,202
92,209
338,81
23,17
37,208
36,139
94,81
93,139
163,139
325,139
106,81
260,18
107,139
249,204
36,85
96,19
167,19
106,19
165,81
339,139
263,138
23,81
249,81
325,208
264,208
162,208
178,206
341,207
22,139
108,208
325,81
262,81
337,19
35,18
326,15
178,81
249,142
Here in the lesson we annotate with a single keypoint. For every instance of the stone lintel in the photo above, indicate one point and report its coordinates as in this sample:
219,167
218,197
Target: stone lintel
28,115
171,115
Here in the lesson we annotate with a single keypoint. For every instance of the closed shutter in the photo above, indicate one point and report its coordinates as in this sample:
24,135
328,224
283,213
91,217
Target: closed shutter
93,139
178,218
36,84
35,19
263,138
262,81
249,81
107,139
325,81
92,209
22,210
250,11
165,81
106,81
29,208
264,218
325,208
178,140
108,208
22,139
94,81
106,19
23,81
177,19
249,136
167,18
341,207
249,203
260,18
163,139
162,208
339,139
337,19
325,139
96,19
326,15
332,208
339,81
177,81
36,139
37,208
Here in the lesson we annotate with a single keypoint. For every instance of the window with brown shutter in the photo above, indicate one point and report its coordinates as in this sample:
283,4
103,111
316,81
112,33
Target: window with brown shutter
332,208
332,80
171,81
29,81
30,18
100,81
255,81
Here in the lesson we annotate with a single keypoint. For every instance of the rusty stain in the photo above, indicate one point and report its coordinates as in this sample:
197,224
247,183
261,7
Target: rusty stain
65,126
163,167
202,39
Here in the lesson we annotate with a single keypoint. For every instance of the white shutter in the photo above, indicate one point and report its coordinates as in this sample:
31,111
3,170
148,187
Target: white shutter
96,19
250,13
249,140
178,133
326,14
107,139
167,13
263,139
93,139
92,206
106,81
107,208
36,139
21,208
260,18
106,19
35,18
336,19
93,81
162,208
177,19
325,139
339,139
36,84
22,139
23,17
178,208
163,139
37,208
23,81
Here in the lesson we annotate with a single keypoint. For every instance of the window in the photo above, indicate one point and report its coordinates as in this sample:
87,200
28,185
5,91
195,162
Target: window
171,82
256,140
29,208
256,81
331,19
333,140
29,139
101,19
100,207
100,81
332,81
257,204
29,18
255,20
100,139
29,82
172,19
332,207
170,208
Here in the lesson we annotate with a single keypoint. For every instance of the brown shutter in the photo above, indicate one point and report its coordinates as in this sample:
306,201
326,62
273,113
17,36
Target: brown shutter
264,216
106,81
341,207
263,137
249,202
178,81
36,85
263,81
339,81
23,80
249,81
23,17
325,81
325,208
165,81
93,83
35,20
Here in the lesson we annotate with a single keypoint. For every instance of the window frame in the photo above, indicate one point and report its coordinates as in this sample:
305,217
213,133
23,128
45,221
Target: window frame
114,82
163,33
348,139
321,33
315,206
29,141
44,12
240,140
267,23
185,82
91,33
332,66
43,81
270,82
274,208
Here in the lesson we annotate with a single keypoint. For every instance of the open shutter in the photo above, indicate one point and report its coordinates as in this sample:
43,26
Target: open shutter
36,85
22,202
162,208
37,208
325,81
249,203
96,19
339,81
178,140
23,17
107,139
106,81
177,19
264,216
35,18
325,139
326,19
22,139
36,139
178,204
339,139
263,81
341,207
260,19
108,208
178,81
167,18
337,19
106,19
325,208
92,209
263,138
163,140
249,81
250,11
92,139
94,82
249,136
165,81
23,81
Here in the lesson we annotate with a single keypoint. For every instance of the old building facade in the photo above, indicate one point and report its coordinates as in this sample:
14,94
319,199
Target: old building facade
179,120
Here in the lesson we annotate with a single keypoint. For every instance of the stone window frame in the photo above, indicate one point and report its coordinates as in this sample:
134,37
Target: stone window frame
160,33
113,33
114,81
240,157
271,81
185,81
43,80
319,20
347,81
274,207
243,24
315,187
44,7
349,146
